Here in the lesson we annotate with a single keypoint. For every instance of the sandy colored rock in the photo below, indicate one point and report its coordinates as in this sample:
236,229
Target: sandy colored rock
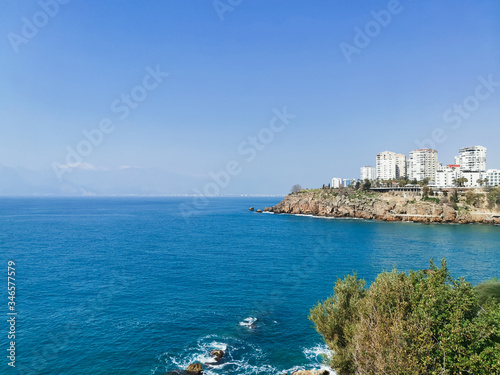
194,368
391,206
311,372
217,354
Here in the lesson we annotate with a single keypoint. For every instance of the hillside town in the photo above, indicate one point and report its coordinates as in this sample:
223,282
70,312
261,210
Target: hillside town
422,166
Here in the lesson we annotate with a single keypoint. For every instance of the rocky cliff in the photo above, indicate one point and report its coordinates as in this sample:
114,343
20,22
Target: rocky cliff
390,206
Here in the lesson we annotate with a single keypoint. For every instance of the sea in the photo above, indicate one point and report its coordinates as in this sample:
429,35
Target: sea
146,285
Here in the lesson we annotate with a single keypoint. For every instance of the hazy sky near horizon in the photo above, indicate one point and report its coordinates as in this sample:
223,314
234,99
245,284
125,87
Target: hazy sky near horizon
431,71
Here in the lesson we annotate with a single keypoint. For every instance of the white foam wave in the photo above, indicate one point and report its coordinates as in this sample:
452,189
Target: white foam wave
241,357
317,352
317,355
248,322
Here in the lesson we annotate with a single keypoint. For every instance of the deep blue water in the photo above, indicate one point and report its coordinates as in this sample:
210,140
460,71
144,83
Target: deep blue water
131,286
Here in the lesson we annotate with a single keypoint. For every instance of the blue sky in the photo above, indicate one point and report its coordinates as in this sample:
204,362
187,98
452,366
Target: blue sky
227,76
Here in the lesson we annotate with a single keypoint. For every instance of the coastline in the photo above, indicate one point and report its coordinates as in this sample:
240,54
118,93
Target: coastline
388,206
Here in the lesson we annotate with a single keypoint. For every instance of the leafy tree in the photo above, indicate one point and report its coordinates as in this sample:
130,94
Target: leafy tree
425,191
488,289
461,181
424,322
367,185
296,188
336,318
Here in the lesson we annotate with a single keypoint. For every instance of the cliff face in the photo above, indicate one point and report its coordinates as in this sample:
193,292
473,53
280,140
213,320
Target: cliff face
392,206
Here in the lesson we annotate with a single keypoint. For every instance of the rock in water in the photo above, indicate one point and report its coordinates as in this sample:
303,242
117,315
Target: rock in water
194,368
251,209
217,354
259,211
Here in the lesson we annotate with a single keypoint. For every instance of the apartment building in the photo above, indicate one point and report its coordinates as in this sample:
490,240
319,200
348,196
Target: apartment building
422,164
390,165
368,173
336,182
493,177
447,175
472,159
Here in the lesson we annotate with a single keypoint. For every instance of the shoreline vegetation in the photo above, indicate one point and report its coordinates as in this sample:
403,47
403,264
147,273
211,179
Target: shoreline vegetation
421,322
460,206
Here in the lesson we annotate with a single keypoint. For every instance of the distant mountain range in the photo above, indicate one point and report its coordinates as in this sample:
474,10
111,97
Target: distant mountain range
85,179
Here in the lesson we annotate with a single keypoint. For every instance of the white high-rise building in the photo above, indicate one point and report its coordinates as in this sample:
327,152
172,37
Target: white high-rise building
336,182
447,175
390,165
472,159
472,178
493,177
423,164
368,173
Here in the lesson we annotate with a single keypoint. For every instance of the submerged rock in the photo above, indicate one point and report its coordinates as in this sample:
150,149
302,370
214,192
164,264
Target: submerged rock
217,354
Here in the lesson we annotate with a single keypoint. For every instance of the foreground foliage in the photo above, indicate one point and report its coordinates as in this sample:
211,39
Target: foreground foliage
488,289
424,322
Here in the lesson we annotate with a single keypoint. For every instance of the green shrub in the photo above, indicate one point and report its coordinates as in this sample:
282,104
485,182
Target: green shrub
424,322
488,289
473,199
429,199
335,319
494,196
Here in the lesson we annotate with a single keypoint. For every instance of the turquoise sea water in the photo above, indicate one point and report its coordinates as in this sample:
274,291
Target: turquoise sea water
131,286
